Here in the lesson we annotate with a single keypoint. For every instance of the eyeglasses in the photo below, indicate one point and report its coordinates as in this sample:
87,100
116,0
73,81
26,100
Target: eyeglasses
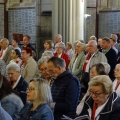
95,93
30,89
43,70
116,70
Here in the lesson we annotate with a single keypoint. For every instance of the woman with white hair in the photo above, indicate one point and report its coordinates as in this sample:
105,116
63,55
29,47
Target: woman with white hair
77,61
39,95
42,65
102,103
60,52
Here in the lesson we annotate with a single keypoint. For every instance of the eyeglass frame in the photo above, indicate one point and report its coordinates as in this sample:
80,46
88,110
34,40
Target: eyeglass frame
96,94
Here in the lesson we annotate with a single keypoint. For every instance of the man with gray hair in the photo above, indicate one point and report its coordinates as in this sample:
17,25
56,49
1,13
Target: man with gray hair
6,49
58,38
16,80
65,89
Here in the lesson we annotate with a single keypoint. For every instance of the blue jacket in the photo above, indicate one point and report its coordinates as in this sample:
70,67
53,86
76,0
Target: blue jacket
43,112
4,115
111,111
21,89
65,93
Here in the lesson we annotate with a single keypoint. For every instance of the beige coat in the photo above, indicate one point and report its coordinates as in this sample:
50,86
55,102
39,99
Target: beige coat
29,71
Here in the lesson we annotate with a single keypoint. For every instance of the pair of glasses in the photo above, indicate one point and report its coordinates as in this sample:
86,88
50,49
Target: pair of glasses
30,89
43,70
95,93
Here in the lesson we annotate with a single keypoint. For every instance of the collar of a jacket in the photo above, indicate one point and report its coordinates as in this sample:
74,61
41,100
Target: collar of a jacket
108,107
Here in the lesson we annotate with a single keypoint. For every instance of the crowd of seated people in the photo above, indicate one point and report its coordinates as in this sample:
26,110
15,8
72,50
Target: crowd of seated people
83,79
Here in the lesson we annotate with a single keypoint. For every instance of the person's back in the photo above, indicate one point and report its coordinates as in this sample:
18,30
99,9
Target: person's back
12,104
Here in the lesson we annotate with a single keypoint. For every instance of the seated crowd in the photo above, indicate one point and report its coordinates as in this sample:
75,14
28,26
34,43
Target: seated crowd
71,81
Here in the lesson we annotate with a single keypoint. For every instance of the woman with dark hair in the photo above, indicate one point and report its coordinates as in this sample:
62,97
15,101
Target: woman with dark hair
9,98
48,45
39,95
15,55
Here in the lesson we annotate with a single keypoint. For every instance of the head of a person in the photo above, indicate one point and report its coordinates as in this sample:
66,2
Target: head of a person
117,71
100,41
26,40
59,47
56,66
47,53
15,54
105,43
75,44
58,38
4,43
100,88
93,38
92,44
39,91
42,65
107,67
48,44
15,42
13,71
26,53
68,46
97,69
79,47
5,88
114,37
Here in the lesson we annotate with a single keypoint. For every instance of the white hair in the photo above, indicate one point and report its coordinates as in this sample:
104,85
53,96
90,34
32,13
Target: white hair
61,44
13,66
47,53
107,67
93,41
60,36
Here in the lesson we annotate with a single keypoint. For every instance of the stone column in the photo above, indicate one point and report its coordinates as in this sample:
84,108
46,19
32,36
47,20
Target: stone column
54,18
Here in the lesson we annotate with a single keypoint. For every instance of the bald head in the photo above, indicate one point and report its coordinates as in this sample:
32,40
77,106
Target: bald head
4,43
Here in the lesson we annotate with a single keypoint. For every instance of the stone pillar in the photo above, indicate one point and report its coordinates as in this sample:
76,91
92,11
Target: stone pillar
54,18
104,3
68,18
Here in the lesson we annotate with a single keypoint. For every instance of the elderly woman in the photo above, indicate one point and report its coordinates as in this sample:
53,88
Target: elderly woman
77,61
60,52
39,95
116,83
16,80
9,98
102,103
97,69
42,65
47,53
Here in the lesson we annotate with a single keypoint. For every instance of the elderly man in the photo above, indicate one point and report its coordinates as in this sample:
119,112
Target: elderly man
17,81
93,56
65,89
58,38
5,50
110,55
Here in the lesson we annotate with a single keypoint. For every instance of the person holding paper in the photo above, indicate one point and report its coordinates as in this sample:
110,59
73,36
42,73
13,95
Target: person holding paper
102,103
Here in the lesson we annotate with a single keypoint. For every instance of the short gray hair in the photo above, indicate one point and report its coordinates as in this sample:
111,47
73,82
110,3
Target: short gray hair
43,91
103,81
81,44
47,53
60,36
93,41
13,66
61,44
42,60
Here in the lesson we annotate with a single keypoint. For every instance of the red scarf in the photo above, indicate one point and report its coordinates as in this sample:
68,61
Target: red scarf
86,62
94,110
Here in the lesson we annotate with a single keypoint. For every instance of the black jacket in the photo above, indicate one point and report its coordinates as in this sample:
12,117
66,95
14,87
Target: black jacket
21,88
111,111
65,93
